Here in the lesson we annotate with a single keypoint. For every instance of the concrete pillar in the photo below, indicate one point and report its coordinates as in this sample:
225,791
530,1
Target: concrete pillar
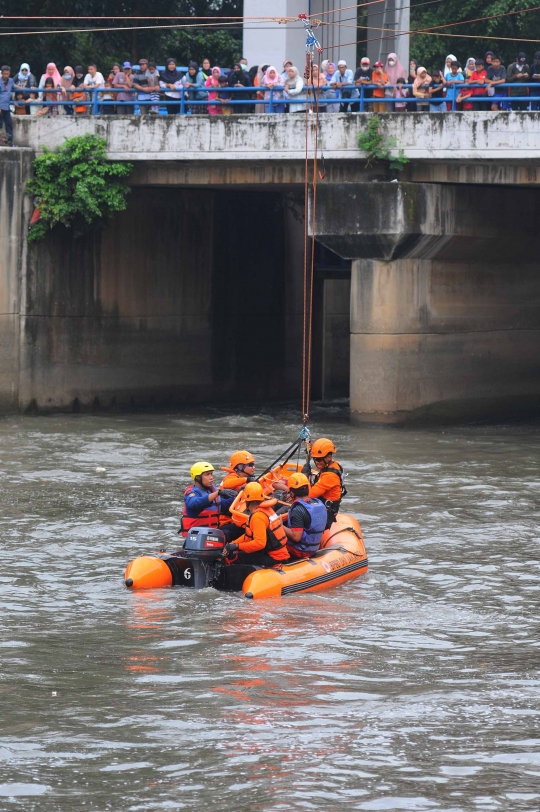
15,168
385,20
445,298
268,42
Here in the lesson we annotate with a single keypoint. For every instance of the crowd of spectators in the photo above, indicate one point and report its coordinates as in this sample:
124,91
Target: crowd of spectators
384,87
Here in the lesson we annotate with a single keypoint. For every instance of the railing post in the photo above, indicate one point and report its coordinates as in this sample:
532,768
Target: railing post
271,105
362,108
454,99
182,101
95,109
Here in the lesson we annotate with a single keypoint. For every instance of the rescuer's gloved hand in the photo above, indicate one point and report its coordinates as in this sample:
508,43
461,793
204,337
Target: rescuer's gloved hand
306,469
227,493
231,549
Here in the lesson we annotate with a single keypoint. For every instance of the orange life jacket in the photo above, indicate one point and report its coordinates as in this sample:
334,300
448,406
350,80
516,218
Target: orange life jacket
276,540
333,496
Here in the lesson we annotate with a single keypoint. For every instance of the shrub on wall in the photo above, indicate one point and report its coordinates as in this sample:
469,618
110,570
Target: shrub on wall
76,186
378,147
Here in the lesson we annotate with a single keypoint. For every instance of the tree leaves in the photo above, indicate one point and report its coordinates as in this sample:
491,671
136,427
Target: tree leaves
76,186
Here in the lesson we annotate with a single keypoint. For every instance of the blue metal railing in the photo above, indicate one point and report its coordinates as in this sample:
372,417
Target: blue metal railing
277,98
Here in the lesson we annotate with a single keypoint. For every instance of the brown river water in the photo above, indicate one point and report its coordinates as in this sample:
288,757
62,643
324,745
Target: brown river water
414,687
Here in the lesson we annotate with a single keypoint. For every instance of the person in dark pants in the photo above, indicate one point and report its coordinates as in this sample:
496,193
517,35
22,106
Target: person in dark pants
6,89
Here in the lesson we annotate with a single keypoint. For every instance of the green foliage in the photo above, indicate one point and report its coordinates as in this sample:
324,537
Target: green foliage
378,147
431,50
125,38
76,186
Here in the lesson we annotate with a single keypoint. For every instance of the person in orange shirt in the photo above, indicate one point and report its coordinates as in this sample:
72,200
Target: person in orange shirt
264,541
241,470
328,484
379,78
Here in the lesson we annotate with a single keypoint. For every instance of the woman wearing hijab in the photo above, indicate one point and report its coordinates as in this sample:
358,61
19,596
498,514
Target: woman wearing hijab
258,82
171,81
519,72
238,78
470,67
421,88
448,65
213,84
78,92
24,79
274,82
194,82
535,79
206,68
394,69
66,83
330,92
487,59
294,85
52,72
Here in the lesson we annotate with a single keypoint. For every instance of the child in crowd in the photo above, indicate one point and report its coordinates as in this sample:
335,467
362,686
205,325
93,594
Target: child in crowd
380,79
50,95
21,108
400,92
478,77
436,91
224,96
154,95
107,109
33,104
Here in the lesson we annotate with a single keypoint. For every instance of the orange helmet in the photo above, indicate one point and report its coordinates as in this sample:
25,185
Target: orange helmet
241,458
253,492
322,447
298,481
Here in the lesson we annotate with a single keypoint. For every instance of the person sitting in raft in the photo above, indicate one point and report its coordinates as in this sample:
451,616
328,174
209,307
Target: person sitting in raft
241,470
264,542
328,483
306,521
205,505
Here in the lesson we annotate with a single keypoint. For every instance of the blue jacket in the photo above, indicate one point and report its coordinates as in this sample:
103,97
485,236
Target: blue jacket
196,500
6,89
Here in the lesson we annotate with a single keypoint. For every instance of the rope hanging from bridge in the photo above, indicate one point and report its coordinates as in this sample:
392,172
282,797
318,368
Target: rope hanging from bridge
312,44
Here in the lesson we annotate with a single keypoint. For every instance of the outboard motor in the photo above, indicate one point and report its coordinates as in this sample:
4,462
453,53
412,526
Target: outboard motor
204,547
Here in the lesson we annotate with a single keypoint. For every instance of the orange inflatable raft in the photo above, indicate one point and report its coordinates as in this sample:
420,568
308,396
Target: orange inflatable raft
341,557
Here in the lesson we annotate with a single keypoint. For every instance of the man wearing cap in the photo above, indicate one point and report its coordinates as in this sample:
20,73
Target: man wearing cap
143,82
341,79
363,77
124,79
381,80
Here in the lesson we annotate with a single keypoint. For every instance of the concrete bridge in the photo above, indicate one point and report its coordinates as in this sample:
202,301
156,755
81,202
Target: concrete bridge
427,290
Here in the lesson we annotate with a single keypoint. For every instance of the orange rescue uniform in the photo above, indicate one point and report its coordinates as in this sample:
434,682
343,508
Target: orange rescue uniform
265,533
234,482
328,484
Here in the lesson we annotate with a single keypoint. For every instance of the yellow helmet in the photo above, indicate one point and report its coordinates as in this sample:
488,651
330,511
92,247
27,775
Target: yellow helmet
322,447
298,481
200,468
253,492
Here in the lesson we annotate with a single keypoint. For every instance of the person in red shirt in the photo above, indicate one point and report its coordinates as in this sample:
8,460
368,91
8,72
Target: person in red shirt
478,76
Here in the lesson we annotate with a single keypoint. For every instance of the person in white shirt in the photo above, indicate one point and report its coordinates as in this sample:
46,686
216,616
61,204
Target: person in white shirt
93,78
342,78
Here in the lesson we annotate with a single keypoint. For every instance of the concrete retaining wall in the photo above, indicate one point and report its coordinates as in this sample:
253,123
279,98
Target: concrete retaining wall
443,136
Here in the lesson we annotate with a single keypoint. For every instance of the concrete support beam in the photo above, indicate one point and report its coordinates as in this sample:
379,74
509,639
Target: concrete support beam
444,340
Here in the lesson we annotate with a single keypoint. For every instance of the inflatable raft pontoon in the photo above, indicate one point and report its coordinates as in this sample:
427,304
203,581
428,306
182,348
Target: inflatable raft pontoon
341,557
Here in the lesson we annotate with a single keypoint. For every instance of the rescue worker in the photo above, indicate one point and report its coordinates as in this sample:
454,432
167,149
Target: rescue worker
204,505
328,483
264,542
306,521
241,470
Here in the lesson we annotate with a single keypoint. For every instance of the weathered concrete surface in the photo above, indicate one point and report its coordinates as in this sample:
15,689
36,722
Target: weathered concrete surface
450,137
437,339
397,220
14,169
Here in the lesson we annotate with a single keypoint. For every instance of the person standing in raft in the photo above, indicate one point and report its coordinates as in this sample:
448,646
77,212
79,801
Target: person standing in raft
306,521
241,470
264,542
204,505
328,483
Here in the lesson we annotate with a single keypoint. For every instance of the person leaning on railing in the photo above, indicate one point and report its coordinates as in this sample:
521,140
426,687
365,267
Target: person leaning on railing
535,79
294,86
7,85
518,71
